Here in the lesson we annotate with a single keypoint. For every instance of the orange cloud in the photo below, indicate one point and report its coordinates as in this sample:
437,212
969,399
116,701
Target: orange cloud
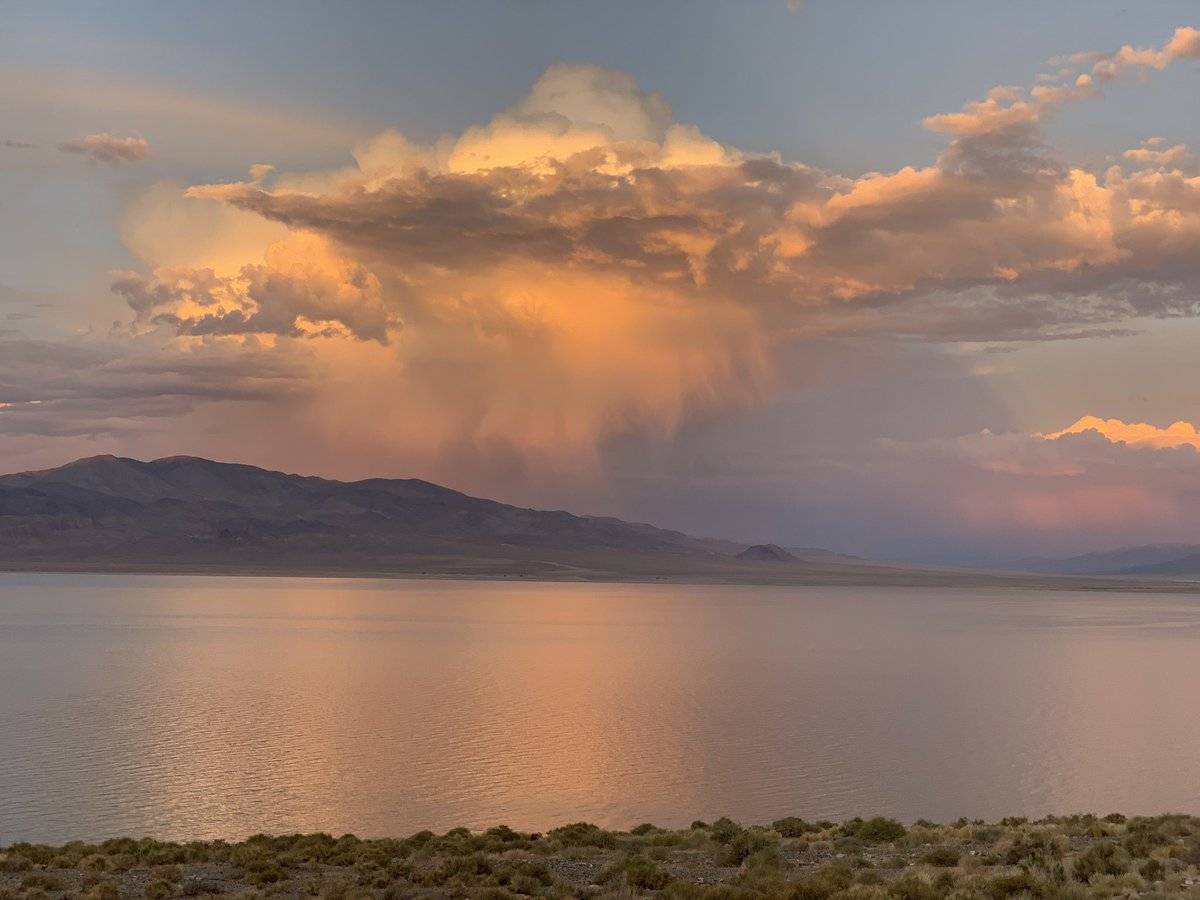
582,264
1134,434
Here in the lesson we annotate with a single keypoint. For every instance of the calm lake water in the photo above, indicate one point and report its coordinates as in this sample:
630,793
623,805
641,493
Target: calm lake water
218,707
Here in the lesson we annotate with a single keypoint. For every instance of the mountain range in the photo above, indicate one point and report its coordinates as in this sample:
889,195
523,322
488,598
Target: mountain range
196,514
1167,560
187,514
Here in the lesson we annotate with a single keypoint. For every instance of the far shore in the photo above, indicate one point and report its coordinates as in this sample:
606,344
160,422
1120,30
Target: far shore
648,571
1068,857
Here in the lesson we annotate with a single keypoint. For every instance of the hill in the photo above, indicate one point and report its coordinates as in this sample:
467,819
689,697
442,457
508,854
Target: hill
766,553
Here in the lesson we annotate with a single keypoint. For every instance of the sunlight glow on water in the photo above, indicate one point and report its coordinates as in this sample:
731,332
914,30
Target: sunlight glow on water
202,707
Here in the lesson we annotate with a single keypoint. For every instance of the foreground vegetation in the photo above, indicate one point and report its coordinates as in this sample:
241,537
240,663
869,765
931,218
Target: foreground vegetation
872,859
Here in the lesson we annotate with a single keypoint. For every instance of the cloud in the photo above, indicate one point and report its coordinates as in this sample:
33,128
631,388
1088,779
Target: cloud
107,148
1154,153
1183,44
582,265
82,387
1096,483
301,289
1134,434
17,145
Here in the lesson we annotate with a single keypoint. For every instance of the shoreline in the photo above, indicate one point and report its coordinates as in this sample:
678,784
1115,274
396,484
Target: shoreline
1078,856
833,576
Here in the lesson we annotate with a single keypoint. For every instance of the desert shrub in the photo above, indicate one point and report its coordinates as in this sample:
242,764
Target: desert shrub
1039,847
746,843
101,889
724,830
913,887
643,873
1102,858
1153,870
644,829
944,857
43,881
1002,886
14,862
765,859
879,830
458,868
159,890
822,884
582,834
793,827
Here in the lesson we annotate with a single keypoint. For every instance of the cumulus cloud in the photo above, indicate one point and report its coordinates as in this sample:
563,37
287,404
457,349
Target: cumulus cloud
583,264
301,289
107,148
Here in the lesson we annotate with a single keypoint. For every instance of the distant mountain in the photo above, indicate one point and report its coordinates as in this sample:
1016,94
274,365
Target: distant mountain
185,514
195,514
766,553
1150,559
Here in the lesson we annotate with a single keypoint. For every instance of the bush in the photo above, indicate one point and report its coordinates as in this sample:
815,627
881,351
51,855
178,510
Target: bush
1153,870
746,843
913,887
582,834
1102,858
822,884
724,830
1038,848
1009,885
943,857
643,873
878,830
793,827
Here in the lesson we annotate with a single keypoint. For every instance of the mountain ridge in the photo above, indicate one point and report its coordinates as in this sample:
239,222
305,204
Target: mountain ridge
187,514
187,506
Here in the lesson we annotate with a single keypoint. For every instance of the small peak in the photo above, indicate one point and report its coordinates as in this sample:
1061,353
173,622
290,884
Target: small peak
766,553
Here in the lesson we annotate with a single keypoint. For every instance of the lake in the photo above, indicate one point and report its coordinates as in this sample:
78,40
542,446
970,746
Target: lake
203,707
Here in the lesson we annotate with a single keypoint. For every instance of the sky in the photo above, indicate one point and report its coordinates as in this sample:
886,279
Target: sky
911,281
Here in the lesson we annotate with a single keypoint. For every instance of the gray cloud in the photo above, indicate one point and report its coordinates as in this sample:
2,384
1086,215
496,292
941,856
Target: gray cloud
63,388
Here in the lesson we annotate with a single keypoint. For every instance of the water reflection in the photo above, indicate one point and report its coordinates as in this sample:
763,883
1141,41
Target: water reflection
204,707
